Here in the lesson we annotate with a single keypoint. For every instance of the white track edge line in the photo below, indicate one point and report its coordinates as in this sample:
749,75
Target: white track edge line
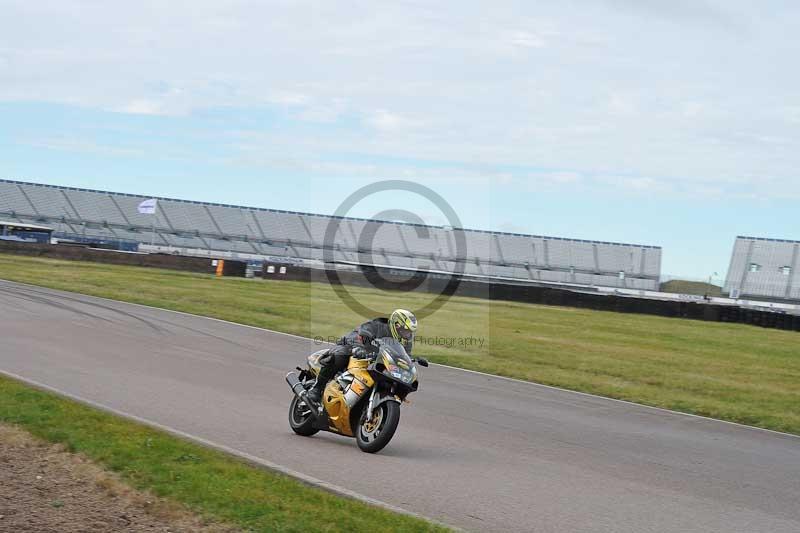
254,460
515,380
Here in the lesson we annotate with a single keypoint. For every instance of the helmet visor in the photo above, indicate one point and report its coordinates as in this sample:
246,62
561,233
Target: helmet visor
405,333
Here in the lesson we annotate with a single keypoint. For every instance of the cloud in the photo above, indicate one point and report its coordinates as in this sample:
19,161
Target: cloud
677,92
565,177
325,112
388,121
643,184
142,107
694,12
792,113
82,146
526,39
288,98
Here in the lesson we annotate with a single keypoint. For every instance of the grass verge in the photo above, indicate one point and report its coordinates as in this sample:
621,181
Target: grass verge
733,372
208,482
698,288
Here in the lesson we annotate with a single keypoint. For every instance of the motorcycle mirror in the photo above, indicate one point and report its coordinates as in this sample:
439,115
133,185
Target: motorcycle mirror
422,361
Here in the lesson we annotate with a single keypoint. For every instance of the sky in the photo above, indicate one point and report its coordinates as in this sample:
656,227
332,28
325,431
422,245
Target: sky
674,124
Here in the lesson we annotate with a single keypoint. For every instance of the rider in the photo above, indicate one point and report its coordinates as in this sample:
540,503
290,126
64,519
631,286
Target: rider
401,325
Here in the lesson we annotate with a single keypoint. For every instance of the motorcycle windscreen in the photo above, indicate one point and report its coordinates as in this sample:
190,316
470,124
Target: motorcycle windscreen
398,364
395,349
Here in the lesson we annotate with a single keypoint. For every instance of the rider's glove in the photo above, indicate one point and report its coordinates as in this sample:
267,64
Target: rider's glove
360,353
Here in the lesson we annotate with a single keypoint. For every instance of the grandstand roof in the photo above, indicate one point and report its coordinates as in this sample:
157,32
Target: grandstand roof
767,239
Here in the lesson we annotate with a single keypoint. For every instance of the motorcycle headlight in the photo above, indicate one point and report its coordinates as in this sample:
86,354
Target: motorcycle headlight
406,376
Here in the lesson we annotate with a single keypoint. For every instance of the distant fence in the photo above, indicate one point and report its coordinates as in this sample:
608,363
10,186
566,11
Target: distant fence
537,294
84,253
386,279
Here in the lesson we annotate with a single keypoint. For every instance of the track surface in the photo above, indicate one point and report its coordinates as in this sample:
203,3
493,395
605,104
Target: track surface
474,451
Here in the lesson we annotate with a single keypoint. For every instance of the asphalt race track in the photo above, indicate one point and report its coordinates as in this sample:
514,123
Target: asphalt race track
480,453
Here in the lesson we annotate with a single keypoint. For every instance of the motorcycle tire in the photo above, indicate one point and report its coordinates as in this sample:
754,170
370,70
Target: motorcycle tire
301,424
374,436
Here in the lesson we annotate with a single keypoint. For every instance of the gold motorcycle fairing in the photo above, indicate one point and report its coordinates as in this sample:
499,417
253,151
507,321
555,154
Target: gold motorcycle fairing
337,401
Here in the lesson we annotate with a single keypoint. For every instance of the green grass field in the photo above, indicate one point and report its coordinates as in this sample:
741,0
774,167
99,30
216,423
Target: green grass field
729,371
209,483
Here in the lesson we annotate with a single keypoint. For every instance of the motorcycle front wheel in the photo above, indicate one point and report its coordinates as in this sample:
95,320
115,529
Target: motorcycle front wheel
300,419
374,434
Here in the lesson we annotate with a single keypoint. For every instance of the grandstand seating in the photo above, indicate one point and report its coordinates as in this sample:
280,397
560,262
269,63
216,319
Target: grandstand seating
197,227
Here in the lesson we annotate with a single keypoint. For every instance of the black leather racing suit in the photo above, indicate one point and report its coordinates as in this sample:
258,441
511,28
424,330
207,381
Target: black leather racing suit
338,357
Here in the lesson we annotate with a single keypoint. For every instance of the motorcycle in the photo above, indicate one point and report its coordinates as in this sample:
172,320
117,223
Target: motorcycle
363,401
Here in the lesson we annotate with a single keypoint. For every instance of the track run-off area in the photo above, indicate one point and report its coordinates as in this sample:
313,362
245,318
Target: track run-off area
473,451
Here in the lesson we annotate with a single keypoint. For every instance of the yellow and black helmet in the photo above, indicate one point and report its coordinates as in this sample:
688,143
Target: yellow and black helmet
403,325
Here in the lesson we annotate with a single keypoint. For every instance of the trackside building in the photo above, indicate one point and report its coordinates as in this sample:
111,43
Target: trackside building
764,268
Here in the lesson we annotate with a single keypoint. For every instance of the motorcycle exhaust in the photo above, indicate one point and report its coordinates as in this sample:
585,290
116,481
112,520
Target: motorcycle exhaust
296,385
300,391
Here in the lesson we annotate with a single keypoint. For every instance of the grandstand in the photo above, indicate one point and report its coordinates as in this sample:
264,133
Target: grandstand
200,228
764,269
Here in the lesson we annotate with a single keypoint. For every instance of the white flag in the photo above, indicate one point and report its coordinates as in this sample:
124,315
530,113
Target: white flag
148,207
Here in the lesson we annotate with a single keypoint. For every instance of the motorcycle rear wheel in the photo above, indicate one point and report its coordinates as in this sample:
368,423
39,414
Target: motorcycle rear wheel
373,435
300,419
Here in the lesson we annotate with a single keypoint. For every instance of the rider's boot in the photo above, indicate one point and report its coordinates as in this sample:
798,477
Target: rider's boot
325,375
